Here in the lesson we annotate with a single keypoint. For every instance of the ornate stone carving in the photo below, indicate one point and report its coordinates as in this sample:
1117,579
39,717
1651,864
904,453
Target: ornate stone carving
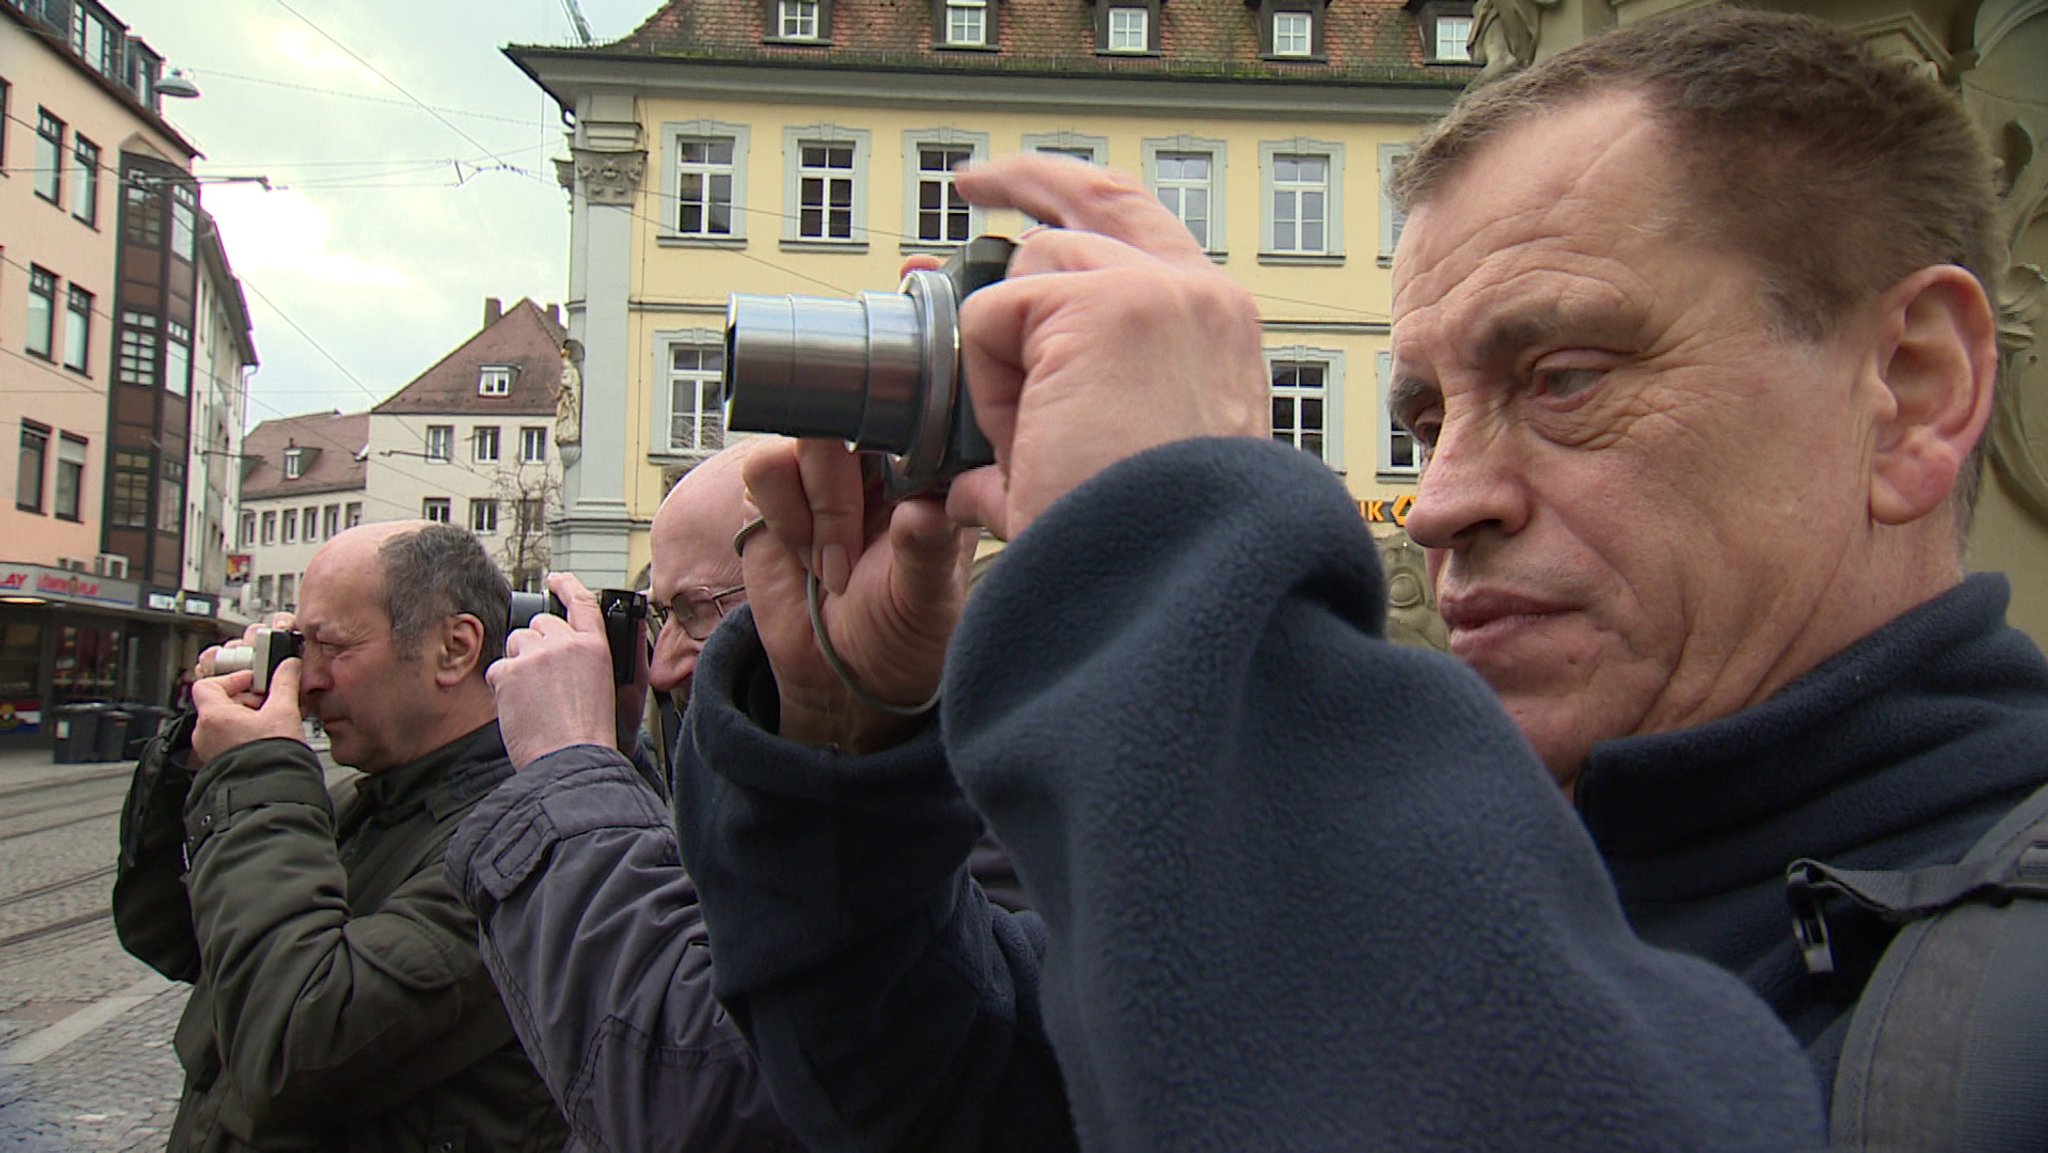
1504,34
2004,93
569,397
1411,604
610,177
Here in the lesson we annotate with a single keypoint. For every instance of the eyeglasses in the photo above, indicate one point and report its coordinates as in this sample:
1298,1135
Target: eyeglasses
698,610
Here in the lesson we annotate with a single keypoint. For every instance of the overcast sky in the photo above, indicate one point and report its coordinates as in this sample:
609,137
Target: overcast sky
385,226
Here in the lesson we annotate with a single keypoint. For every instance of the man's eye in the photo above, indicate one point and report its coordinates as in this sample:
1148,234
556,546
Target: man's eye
1566,383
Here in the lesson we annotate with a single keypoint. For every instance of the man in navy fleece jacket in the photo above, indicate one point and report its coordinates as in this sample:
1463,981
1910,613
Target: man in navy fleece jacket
1304,889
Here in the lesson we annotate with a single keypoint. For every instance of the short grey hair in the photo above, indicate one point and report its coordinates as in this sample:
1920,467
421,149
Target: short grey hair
438,572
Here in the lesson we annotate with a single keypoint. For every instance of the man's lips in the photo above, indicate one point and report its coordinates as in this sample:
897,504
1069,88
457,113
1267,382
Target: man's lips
1488,612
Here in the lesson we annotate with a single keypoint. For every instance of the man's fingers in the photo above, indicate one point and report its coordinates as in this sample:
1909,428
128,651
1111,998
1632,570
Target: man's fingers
979,497
219,690
579,604
284,687
837,497
1069,194
775,489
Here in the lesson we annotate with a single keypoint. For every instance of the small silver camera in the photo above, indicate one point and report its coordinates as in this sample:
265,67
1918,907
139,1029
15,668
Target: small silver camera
881,371
625,622
269,649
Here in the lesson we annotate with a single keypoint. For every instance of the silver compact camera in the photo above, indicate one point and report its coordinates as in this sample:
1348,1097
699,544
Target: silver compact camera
881,371
269,649
625,622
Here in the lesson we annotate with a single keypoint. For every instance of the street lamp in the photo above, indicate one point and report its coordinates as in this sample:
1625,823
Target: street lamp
177,84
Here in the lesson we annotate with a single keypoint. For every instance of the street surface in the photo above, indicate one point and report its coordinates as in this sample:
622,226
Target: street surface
86,1064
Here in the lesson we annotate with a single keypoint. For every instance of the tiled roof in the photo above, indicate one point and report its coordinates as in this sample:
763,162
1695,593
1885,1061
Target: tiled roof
333,443
1365,41
525,339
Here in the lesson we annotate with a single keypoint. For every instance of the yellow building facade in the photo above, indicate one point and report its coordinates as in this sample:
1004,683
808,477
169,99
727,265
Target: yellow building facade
771,164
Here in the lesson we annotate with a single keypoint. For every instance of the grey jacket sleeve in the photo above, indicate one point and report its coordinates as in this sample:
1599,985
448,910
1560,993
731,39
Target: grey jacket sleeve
591,929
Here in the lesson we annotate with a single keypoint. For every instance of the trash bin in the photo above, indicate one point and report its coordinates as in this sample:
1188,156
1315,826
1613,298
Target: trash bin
75,729
113,734
143,725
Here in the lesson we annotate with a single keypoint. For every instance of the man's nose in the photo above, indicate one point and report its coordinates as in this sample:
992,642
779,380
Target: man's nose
1472,486
674,660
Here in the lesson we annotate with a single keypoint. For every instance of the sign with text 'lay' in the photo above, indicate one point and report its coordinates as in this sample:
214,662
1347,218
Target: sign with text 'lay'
64,585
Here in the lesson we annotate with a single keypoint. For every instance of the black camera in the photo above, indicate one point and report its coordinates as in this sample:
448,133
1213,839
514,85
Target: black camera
267,650
881,371
625,623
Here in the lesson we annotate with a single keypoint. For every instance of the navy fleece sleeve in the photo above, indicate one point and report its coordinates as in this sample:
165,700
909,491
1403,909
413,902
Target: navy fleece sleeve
891,1006
1304,889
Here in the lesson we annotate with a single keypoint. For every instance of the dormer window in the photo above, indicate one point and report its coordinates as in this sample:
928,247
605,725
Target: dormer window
1446,28
964,23
1291,29
494,380
294,463
809,21
1127,27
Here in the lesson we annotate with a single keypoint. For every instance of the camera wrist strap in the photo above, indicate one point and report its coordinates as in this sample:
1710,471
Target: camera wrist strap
815,595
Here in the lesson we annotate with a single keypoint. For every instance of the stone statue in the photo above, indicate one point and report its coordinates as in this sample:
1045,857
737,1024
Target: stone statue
569,397
1504,34
1411,605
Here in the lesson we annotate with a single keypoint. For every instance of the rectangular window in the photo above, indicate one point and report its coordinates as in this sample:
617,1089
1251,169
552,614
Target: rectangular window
353,515
70,476
142,219
1399,454
533,444
42,312
704,184
263,591
440,441
128,504
1392,219
288,591
291,526
483,517
49,180
1291,34
494,380
77,329
1129,30
1453,39
311,519
696,421
294,463
170,497
177,359
184,221
435,508
825,192
270,528
1183,185
330,521
799,19
1298,395
967,22
138,349
484,445
85,193
942,213
1301,192
248,536
28,474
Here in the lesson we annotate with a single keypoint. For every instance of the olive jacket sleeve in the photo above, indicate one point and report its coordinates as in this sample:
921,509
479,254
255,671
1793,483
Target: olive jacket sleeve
328,1004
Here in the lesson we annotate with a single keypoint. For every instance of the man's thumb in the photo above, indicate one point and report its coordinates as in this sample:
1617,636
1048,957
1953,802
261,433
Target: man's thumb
284,686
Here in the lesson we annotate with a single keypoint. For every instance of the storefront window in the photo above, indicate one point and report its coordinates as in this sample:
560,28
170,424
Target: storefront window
87,664
21,649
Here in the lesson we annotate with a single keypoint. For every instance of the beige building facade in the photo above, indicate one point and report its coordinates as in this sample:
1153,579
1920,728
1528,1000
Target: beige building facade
791,149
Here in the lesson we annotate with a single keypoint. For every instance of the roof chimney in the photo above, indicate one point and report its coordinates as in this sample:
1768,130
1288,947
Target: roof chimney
494,310
555,313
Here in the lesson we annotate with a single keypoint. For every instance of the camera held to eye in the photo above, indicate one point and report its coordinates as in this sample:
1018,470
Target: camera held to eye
625,623
269,649
881,372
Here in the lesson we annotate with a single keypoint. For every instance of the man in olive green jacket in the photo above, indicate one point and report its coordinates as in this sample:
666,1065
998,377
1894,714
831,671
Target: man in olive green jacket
338,998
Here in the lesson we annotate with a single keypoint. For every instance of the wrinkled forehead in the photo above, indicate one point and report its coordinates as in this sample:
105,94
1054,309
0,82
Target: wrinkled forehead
692,552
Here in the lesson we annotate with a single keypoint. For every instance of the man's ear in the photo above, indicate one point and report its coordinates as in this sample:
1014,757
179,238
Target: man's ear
461,647
1938,356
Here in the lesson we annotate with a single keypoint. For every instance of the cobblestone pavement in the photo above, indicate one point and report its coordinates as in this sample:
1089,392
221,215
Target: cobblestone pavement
86,1064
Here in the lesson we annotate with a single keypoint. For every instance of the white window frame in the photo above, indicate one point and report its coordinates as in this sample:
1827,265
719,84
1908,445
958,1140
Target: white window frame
290,534
270,526
1391,435
1332,360
440,443
294,463
310,518
1332,154
483,515
1219,153
1308,34
960,15
1460,47
437,509
494,380
485,444
678,133
533,444
663,444
915,141
1392,219
1121,22
799,19
794,140
1074,144
352,515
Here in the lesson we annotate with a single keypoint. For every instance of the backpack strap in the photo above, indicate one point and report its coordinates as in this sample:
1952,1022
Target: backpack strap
1947,1048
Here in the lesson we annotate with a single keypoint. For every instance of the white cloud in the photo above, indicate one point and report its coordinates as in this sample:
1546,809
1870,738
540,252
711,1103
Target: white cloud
286,233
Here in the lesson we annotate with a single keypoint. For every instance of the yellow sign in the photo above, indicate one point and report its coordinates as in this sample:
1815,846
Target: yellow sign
1387,510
